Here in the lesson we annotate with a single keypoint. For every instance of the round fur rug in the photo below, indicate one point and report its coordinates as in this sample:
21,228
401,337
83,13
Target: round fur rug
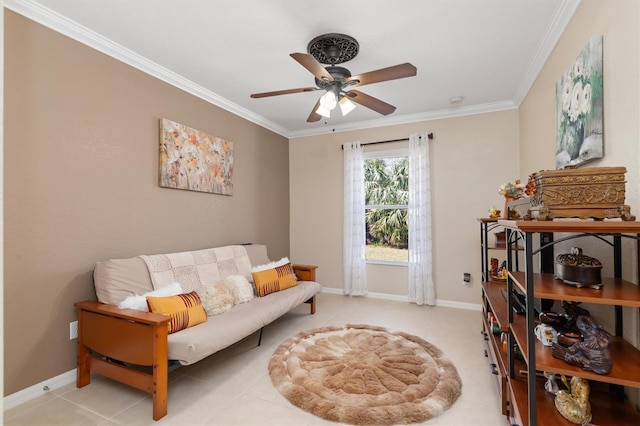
361,374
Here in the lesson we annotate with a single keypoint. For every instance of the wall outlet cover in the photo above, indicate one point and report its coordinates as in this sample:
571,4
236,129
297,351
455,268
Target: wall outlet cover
73,330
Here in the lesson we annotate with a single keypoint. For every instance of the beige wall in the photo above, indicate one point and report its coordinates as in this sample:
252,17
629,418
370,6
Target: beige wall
471,157
81,172
619,23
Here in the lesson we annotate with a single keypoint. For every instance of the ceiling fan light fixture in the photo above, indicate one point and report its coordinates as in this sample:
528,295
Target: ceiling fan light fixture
328,100
346,106
324,111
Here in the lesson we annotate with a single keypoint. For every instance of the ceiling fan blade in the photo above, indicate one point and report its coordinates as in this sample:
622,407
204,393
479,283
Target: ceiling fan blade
314,116
370,102
284,92
390,73
311,64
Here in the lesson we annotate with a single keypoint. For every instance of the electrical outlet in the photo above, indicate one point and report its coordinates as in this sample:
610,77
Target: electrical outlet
73,330
466,278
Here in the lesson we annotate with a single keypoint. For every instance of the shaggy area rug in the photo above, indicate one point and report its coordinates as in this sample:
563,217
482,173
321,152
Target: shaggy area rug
361,374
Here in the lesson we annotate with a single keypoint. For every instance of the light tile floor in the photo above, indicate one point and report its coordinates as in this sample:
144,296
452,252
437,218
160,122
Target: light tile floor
232,387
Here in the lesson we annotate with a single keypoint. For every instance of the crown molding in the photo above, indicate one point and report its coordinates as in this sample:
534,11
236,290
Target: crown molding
59,23
407,119
564,12
45,16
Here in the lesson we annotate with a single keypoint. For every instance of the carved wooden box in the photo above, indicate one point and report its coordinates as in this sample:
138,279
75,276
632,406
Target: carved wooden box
596,192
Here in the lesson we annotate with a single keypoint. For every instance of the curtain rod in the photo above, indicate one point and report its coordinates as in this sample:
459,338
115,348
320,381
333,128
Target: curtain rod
430,136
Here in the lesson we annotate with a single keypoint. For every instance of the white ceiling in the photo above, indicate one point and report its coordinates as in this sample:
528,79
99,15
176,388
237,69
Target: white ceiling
488,51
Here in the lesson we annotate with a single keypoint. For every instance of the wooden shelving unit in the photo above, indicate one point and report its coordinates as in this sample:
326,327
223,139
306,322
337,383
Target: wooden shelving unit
495,352
615,291
607,408
494,302
487,225
528,402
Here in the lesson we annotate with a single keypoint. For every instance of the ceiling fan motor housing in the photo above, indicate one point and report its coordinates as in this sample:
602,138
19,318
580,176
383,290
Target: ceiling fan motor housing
339,74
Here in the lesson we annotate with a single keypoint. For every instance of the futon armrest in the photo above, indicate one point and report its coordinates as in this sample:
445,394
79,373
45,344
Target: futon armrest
126,314
305,272
109,339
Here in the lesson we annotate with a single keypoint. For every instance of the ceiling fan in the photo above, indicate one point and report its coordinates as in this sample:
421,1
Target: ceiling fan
333,49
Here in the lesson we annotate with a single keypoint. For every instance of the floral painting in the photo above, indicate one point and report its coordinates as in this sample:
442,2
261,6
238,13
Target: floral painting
194,160
579,112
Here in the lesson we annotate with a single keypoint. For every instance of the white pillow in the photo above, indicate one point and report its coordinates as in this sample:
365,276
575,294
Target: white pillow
139,301
270,265
215,298
240,288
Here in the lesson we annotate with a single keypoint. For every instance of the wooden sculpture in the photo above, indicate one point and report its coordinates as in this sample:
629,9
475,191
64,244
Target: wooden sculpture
573,311
494,267
592,354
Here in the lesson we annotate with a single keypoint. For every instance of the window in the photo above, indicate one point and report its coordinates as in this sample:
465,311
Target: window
386,185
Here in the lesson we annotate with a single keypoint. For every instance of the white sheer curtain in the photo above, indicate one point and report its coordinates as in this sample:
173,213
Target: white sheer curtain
421,290
354,263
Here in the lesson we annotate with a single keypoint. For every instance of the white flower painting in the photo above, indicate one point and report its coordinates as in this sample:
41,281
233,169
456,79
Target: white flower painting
579,111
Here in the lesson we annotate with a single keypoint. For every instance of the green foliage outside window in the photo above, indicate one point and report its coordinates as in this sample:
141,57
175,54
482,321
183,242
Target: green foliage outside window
387,184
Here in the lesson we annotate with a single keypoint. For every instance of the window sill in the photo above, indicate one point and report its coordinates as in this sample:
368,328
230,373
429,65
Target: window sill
386,262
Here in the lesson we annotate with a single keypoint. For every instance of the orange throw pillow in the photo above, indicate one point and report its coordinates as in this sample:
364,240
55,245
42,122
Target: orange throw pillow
275,279
185,310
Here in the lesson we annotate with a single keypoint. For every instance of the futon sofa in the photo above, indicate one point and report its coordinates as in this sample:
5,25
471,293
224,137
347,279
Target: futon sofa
136,347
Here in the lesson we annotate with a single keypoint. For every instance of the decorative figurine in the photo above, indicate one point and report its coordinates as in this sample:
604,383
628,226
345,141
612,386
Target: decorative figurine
494,267
573,311
514,214
502,271
573,403
494,213
551,385
592,354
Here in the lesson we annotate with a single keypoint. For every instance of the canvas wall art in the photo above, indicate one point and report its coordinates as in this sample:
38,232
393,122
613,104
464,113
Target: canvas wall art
579,109
194,160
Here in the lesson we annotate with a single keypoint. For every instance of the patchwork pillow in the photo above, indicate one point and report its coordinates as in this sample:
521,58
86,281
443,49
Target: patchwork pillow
185,310
274,276
216,298
240,288
139,301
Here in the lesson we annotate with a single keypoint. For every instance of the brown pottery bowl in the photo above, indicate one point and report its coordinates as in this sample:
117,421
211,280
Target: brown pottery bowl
569,339
552,318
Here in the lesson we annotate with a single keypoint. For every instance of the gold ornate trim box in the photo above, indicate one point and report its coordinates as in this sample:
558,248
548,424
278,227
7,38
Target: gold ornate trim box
596,192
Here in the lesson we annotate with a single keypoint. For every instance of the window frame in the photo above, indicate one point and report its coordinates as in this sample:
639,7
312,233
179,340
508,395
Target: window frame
387,153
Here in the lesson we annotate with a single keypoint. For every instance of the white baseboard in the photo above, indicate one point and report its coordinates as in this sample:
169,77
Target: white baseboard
459,305
331,290
36,390
398,298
